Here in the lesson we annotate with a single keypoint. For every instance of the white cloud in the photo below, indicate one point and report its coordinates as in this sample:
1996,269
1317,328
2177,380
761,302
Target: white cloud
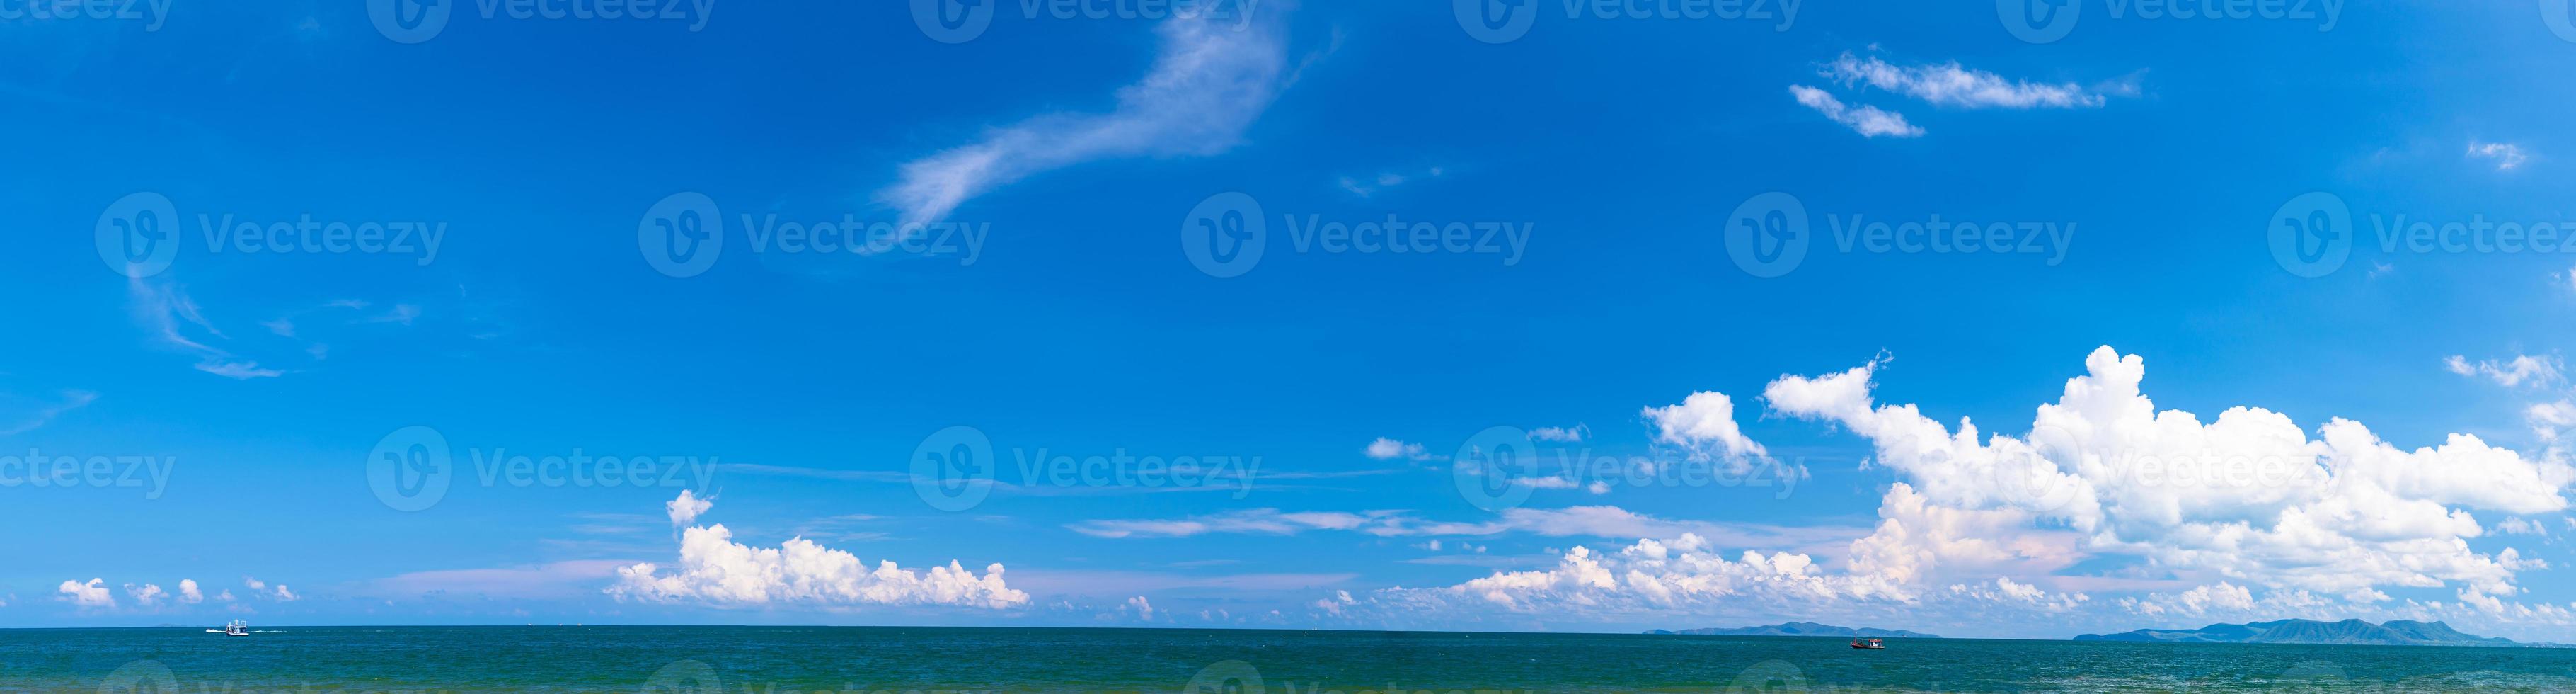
1949,84
1144,609
1575,434
2521,369
1389,449
1259,521
2507,156
685,508
1867,120
188,593
2522,526
146,595
254,584
2248,495
1209,82
1705,423
87,595
72,400
172,317
714,569
284,595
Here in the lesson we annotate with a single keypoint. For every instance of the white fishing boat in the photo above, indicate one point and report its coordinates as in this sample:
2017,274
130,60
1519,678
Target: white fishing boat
236,628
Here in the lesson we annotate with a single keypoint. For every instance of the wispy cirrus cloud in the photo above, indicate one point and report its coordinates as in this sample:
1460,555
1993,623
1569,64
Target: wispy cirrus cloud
1209,82
1867,120
71,400
2507,156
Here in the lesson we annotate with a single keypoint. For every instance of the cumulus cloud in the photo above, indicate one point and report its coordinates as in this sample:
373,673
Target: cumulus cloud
1573,434
2248,495
1950,84
1865,119
2335,517
188,592
1209,82
2519,370
1389,449
86,595
715,570
146,595
1704,422
684,510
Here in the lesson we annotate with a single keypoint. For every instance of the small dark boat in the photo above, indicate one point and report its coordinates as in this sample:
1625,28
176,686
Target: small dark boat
1868,643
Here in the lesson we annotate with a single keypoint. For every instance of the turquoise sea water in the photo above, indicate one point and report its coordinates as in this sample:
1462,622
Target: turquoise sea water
769,660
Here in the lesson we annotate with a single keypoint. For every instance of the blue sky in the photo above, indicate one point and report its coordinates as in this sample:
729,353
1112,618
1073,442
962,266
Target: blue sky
1056,270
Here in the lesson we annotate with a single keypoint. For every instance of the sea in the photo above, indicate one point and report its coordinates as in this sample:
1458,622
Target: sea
780,660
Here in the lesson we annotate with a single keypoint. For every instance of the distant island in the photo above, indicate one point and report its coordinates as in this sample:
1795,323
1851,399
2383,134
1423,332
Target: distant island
1800,629
2402,632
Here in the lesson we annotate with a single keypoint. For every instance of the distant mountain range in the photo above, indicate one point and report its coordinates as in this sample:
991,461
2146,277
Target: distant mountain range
2401,632
1802,629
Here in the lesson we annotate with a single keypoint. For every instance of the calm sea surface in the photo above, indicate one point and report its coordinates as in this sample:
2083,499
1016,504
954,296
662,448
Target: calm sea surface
836,659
